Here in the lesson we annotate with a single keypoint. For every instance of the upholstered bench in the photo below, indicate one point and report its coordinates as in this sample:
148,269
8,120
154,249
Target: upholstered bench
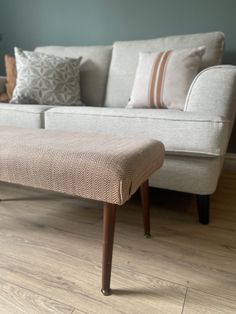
99,167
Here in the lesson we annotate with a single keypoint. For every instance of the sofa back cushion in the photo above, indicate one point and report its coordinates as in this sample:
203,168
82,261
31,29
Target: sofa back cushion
93,70
125,59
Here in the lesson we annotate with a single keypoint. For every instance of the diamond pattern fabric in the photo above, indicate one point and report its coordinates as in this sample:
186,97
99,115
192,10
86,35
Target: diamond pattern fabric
45,79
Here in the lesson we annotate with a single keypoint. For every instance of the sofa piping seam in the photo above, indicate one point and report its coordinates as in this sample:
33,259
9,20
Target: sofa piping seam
113,116
212,68
6,109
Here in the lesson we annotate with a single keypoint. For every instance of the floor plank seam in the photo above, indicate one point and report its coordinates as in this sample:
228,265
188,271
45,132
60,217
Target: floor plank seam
213,295
184,300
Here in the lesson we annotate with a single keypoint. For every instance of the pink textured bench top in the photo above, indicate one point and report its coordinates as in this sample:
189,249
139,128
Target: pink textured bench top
100,167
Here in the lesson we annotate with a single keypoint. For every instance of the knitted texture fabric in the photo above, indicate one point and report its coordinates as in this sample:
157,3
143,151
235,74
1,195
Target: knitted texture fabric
98,167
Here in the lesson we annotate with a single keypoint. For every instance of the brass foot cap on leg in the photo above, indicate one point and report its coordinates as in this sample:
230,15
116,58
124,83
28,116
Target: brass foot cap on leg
147,235
106,292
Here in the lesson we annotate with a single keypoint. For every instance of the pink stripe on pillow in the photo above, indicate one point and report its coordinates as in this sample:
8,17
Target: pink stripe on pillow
153,80
160,79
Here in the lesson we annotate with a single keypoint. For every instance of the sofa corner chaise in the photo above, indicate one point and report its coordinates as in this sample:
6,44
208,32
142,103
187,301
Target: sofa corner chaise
195,139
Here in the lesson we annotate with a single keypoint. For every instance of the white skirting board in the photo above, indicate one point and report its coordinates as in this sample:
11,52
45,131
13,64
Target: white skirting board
230,161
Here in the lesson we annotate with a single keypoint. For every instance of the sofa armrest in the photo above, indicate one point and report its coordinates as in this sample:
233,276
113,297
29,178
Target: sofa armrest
3,81
213,91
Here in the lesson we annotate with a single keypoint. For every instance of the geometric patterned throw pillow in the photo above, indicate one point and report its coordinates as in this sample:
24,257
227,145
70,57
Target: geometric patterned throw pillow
46,79
163,79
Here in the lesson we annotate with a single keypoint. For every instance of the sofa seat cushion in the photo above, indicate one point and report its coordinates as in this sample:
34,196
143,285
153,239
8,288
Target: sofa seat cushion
184,133
27,116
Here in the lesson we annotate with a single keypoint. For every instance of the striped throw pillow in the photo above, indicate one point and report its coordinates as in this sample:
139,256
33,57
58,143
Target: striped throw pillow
163,79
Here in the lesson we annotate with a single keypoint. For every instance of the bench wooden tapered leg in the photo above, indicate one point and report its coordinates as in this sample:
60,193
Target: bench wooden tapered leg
109,219
144,191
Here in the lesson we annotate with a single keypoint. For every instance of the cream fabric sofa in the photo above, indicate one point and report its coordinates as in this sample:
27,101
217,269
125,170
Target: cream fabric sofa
195,139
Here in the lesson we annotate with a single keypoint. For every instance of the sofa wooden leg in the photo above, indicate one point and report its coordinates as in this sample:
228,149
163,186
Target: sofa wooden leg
203,205
144,191
109,219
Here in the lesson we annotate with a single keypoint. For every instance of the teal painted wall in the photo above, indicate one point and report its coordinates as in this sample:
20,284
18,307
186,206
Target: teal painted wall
29,23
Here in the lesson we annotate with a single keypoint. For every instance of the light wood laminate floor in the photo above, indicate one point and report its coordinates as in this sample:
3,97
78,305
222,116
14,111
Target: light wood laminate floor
50,255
